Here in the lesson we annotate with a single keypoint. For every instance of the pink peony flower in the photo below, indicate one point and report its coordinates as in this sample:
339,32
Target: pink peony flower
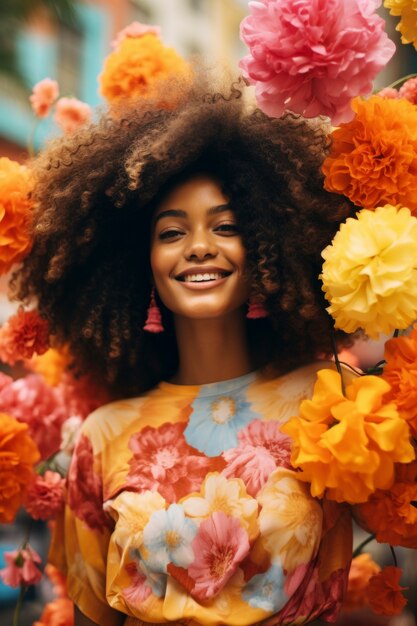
32,401
43,96
313,56
163,461
388,92
45,496
220,545
135,29
71,113
409,90
23,335
22,567
262,448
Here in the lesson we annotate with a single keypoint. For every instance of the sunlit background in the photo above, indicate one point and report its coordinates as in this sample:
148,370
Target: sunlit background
68,41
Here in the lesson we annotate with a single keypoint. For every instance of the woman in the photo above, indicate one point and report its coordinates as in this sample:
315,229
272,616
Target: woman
205,223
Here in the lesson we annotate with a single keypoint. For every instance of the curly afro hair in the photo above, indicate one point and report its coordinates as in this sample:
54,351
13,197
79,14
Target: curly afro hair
95,193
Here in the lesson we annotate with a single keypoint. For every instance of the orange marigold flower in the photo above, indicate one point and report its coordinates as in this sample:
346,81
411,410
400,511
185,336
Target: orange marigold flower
384,592
373,159
51,365
391,514
407,26
18,453
400,372
361,570
138,67
58,580
347,446
24,335
59,612
15,206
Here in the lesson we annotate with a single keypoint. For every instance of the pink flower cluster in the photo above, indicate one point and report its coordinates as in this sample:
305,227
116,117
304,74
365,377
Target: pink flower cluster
22,567
70,113
408,91
313,56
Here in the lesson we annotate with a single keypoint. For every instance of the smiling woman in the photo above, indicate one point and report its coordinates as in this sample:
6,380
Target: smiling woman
204,222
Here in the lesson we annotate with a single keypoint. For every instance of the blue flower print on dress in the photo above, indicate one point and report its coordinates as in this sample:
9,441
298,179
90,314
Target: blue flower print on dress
167,538
216,420
266,591
156,581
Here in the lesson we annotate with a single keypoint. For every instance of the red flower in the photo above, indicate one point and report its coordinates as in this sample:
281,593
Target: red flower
164,462
85,488
384,592
23,335
45,497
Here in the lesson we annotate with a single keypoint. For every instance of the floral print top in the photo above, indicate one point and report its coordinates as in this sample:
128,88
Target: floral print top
182,508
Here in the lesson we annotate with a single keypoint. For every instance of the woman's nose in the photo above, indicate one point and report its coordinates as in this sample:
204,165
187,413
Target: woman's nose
200,246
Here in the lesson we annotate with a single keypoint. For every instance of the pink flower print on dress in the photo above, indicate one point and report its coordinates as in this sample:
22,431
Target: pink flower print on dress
44,94
220,545
22,567
85,488
262,448
164,462
139,589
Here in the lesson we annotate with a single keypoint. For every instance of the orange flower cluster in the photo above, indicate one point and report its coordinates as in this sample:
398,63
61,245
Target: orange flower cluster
347,446
18,453
138,68
373,160
24,335
384,592
59,612
15,206
361,570
391,514
51,365
400,372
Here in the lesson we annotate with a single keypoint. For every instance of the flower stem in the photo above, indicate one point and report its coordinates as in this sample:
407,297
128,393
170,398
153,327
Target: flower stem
402,80
361,546
338,365
19,604
394,556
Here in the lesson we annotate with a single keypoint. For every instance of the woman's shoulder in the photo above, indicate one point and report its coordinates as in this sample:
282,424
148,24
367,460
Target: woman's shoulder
110,420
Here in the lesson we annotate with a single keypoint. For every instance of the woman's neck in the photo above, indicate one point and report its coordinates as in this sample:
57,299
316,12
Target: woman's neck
211,350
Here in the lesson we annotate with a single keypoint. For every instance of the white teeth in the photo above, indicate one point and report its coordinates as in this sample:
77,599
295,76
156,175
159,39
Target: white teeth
199,278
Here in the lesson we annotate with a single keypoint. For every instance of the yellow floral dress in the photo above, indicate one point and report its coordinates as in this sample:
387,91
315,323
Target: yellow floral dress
182,508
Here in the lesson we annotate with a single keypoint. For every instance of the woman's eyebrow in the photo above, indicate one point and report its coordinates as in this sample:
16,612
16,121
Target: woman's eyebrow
221,208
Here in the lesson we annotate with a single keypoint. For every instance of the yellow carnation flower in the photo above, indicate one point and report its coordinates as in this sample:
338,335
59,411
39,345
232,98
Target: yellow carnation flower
370,272
347,446
407,10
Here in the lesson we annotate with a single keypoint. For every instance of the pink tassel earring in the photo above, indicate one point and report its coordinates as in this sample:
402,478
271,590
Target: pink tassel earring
256,309
153,322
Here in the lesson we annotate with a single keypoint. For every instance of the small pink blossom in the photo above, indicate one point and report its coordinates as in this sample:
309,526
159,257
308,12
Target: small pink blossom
135,29
45,496
262,448
22,567
220,545
32,401
409,90
43,96
313,56
71,114
388,92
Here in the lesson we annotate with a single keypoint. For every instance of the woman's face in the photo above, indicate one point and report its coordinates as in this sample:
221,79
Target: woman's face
197,255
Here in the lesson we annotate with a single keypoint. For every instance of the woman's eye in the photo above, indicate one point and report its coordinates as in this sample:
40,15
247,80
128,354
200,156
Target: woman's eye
227,228
169,234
